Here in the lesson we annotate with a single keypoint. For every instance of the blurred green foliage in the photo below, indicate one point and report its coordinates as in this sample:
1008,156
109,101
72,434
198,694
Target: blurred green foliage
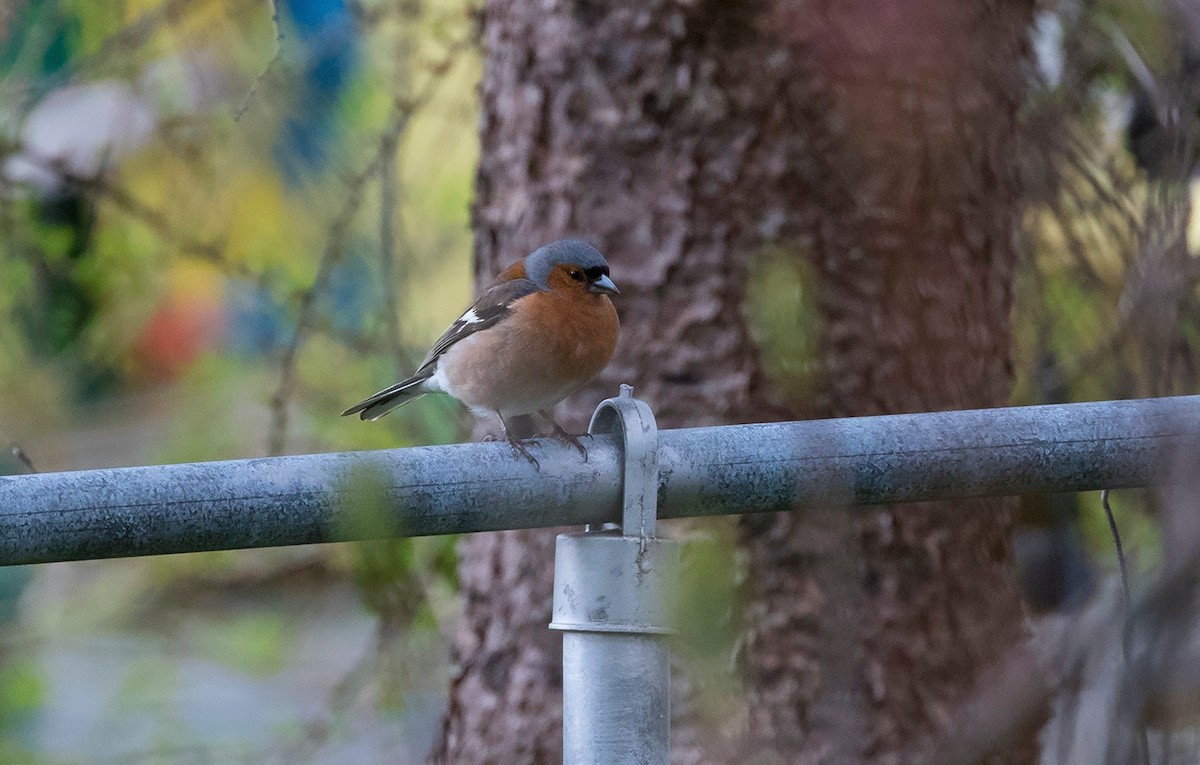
253,642
202,207
151,303
711,578
21,691
781,302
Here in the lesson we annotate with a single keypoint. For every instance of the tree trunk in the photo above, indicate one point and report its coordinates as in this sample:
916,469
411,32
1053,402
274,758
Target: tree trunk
679,137
915,262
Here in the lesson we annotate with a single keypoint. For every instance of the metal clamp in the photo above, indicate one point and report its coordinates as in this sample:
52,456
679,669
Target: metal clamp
614,603
633,422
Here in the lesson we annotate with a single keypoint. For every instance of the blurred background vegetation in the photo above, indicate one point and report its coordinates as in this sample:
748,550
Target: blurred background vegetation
222,222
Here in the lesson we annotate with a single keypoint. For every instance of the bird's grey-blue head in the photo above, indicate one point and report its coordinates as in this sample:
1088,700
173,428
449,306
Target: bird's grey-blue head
576,254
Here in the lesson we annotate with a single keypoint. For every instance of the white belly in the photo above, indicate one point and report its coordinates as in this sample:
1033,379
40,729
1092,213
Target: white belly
499,387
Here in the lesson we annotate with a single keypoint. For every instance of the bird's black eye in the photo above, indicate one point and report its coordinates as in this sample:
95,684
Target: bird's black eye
575,274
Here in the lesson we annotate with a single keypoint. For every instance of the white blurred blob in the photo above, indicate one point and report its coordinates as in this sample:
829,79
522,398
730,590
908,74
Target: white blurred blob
1047,36
76,130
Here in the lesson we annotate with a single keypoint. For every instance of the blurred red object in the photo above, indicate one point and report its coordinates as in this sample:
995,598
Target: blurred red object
189,321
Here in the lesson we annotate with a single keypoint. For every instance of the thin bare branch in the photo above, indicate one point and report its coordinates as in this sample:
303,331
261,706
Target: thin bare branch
102,186
276,57
390,233
332,254
401,113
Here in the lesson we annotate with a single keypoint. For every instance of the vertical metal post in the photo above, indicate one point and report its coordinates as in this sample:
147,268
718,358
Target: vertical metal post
613,602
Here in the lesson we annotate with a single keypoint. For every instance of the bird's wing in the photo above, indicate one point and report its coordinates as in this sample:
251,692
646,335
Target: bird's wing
492,307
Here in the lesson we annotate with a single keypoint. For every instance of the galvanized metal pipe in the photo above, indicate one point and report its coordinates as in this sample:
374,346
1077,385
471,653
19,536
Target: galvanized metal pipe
616,709
614,606
484,487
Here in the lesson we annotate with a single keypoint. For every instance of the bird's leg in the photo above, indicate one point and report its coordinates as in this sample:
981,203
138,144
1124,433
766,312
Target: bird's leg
563,435
516,444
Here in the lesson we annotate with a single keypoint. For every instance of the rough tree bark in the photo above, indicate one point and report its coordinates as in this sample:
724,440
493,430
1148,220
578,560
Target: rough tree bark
679,136
915,256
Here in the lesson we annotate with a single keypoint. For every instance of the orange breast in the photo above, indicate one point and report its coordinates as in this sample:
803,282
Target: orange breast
545,351
583,337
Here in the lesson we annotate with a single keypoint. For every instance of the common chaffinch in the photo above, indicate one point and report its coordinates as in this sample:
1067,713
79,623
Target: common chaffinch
541,330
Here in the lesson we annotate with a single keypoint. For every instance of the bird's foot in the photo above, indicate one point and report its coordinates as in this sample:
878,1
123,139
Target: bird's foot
520,448
564,437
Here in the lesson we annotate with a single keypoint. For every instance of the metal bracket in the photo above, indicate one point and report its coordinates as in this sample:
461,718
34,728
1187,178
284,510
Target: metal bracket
633,422
620,580
614,603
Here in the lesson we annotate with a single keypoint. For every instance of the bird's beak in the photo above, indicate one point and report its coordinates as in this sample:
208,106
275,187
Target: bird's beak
604,285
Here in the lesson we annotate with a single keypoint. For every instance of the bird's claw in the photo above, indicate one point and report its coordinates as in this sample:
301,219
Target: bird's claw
520,448
563,436
566,438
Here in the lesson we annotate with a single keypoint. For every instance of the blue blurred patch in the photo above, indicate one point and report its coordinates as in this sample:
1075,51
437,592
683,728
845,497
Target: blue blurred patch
257,322
327,46
261,324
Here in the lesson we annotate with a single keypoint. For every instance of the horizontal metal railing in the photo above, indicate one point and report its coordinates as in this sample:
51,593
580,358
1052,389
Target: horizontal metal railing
484,486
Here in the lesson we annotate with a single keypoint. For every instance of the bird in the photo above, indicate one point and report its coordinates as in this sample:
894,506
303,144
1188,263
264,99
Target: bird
543,328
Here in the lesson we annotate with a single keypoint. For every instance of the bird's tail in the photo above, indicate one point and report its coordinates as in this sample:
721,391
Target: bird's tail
389,398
